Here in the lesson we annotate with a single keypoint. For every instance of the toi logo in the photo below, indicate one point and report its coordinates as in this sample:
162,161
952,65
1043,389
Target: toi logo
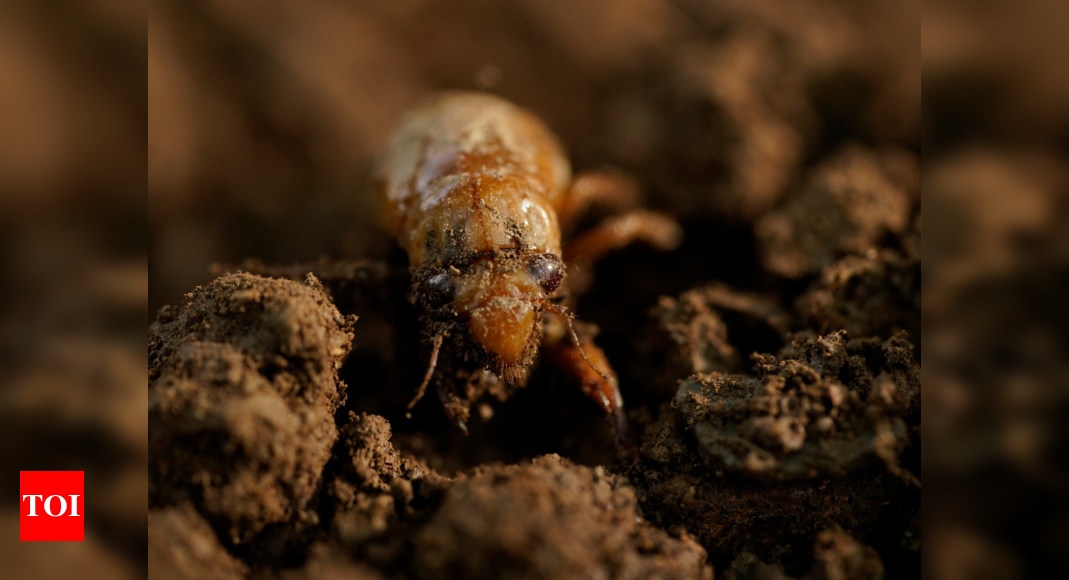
53,505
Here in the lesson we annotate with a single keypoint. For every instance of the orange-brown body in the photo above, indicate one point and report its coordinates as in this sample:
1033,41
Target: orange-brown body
472,185
471,163
474,189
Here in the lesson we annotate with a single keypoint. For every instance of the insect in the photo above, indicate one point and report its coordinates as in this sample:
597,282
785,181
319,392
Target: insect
477,191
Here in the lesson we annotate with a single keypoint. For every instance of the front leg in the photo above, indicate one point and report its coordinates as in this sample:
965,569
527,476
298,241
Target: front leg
573,349
657,230
595,375
617,193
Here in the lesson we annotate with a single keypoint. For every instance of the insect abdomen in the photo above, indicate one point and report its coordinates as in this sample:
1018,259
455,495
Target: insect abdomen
469,173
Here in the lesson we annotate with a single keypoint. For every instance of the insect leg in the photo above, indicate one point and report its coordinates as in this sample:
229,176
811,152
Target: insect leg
657,230
586,362
605,188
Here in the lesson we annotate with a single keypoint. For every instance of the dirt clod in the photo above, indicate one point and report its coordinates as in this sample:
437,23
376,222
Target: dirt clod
242,389
816,410
375,486
370,459
813,439
698,332
873,295
848,204
181,545
840,557
837,556
549,519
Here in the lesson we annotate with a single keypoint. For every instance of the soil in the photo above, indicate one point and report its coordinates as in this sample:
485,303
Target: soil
243,388
770,366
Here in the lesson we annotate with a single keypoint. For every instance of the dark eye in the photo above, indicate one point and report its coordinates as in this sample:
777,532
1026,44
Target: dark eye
547,270
438,290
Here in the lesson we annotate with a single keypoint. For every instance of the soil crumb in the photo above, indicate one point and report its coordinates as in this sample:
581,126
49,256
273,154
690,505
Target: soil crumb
712,328
812,439
546,518
243,386
837,556
182,546
816,410
848,204
374,486
549,519
873,295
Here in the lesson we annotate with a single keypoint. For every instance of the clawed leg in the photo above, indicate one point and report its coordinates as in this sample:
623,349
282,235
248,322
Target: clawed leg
657,230
601,384
574,352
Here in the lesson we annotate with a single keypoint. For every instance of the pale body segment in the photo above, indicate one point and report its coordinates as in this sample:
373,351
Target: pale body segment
474,189
466,173
472,186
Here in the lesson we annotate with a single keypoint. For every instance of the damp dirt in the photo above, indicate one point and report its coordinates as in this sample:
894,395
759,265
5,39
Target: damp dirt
770,366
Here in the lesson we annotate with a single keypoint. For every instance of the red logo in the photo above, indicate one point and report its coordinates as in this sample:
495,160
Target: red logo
53,506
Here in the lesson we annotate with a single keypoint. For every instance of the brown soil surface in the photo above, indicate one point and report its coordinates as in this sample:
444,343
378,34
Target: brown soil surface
770,366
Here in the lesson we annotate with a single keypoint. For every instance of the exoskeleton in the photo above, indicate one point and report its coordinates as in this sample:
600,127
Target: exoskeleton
477,191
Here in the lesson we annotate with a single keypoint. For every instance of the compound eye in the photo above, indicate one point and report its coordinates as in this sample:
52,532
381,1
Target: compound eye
438,291
547,270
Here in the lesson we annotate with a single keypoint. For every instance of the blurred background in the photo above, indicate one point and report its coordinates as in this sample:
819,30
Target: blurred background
262,116
74,272
996,383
